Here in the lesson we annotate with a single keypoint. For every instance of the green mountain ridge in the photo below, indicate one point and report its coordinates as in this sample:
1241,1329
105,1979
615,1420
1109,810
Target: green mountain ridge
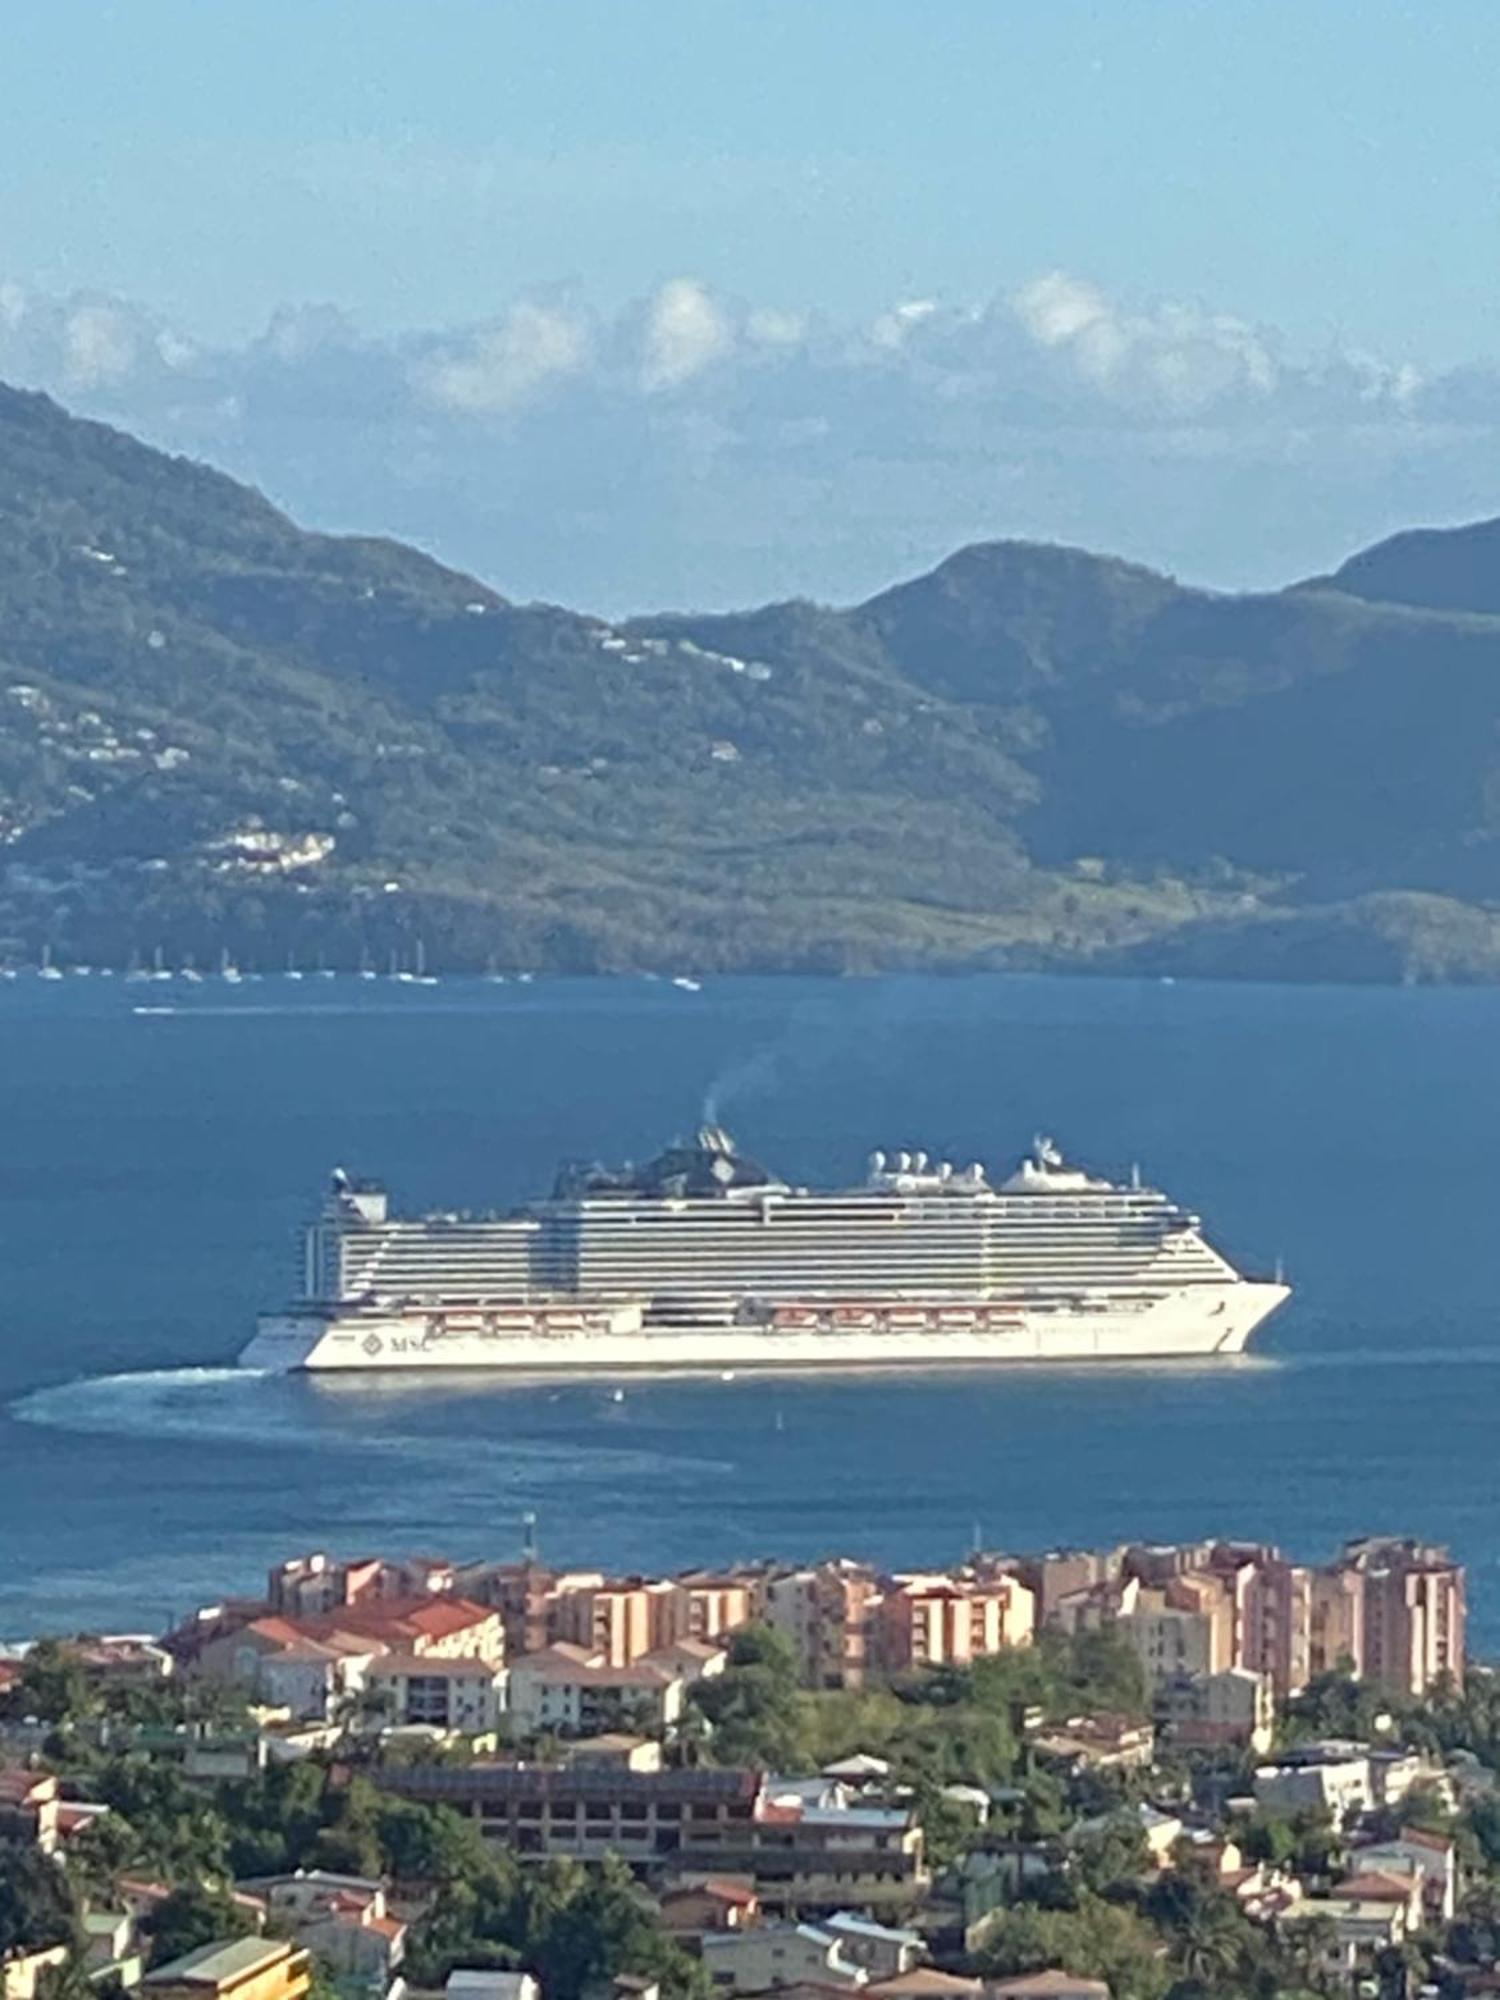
222,734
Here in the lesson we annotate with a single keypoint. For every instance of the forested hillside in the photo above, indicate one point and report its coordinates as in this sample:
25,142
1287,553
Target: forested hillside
221,734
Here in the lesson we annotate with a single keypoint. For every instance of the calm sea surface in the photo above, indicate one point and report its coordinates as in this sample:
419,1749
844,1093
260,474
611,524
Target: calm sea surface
153,1169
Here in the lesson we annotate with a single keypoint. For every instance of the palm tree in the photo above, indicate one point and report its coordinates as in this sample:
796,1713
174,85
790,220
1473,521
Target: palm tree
1210,1947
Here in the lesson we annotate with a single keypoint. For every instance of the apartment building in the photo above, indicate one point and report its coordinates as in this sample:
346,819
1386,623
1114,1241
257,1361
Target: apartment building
828,1613
430,1691
699,1823
1202,1711
943,1620
1390,1611
1413,1614
576,1692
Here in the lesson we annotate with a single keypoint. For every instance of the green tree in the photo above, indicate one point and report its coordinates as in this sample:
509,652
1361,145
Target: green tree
755,1707
100,1852
180,1832
1097,1940
1209,1937
193,1915
1112,1855
1267,1837
569,1924
53,1686
37,1906
421,1843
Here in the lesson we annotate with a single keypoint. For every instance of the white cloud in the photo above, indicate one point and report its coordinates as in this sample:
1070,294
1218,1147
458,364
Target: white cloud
685,332
174,350
690,448
297,332
1178,355
1056,308
101,345
892,329
771,326
505,365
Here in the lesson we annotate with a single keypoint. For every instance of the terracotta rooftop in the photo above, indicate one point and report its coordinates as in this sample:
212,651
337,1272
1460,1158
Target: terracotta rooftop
1376,1886
431,1664
925,1982
719,1888
1049,1985
25,1788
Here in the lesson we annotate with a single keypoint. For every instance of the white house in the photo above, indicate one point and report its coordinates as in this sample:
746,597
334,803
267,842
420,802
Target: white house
1338,1786
768,1956
467,1985
880,1951
1357,1929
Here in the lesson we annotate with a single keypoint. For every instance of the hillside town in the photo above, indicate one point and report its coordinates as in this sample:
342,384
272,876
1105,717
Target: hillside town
1139,1772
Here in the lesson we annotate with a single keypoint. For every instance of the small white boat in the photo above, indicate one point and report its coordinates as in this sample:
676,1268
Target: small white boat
688,985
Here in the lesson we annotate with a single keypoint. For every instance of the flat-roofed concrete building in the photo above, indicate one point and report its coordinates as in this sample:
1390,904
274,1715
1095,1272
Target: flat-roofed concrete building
801,1858
249,1968
590,1810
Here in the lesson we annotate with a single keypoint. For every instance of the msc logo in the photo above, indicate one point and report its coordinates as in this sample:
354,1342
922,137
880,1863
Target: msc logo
372,1344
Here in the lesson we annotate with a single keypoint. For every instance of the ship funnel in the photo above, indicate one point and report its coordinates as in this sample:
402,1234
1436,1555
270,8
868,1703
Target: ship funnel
919,1163
903,1163
877,1162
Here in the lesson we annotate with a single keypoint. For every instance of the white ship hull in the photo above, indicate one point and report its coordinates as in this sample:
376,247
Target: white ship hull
1199,1321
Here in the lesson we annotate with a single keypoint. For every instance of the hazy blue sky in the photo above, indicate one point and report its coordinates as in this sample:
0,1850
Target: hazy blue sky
599,265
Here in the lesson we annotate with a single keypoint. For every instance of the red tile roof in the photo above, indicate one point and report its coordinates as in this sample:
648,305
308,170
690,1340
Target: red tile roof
431,1664
718,1889
25,1788
1377,1887
404,1617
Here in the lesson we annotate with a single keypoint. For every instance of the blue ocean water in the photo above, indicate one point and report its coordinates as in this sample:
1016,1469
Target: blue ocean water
154,1168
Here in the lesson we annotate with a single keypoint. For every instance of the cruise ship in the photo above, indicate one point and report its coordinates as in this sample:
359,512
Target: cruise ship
704,1260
